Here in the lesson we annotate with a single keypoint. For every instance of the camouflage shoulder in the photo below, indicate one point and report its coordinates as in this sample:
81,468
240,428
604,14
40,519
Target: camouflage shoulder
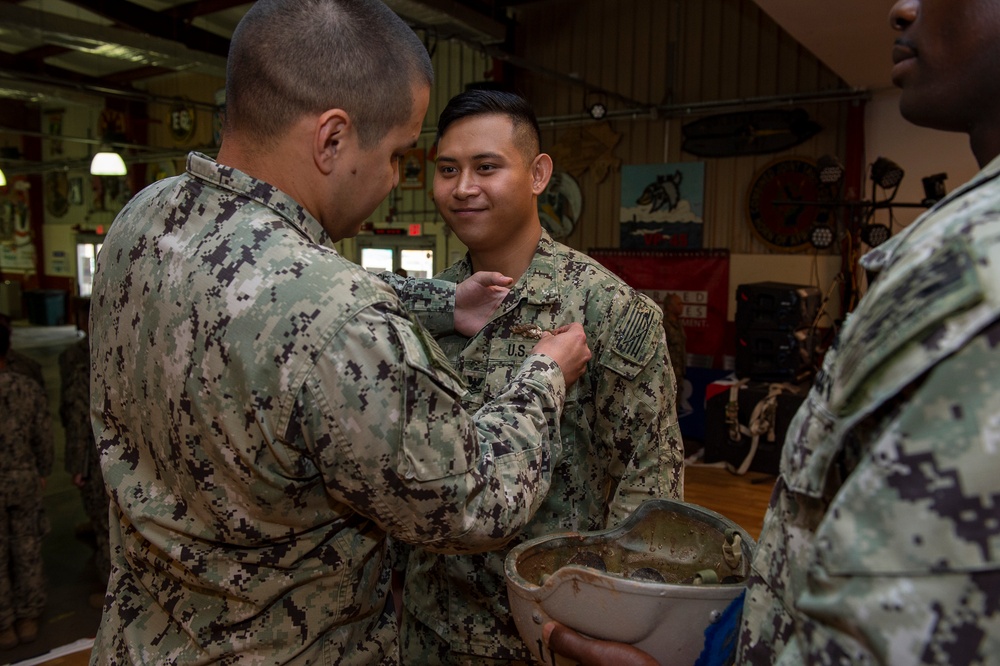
920,310
637,334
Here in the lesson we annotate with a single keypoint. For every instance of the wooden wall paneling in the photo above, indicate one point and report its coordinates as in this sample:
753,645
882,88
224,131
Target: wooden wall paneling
534,87
633,47
736,215
605,222
717,216
442,88
808,71
789,53
447,64
662,34
606,226
581,55
605,231
689,52
730,33
589,226
592,55
639,49
767,57
745,241
573,29
749,51
712,48
674,127
614,23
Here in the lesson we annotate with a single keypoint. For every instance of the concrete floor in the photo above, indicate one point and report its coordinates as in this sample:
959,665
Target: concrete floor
69,564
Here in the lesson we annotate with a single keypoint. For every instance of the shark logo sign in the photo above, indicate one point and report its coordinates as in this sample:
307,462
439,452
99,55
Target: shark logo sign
661,206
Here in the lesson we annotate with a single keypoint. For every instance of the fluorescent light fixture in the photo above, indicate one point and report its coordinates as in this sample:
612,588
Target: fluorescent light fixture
108,164
3,179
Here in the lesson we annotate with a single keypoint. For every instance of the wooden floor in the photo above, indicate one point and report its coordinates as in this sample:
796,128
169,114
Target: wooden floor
742,499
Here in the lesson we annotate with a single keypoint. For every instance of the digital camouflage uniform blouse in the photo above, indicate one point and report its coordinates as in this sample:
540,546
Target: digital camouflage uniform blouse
882,543
266,412
621,440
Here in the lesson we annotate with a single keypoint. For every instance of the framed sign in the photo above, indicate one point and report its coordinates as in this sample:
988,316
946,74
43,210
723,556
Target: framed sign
412,169
560,204
661,205
776,207
181,121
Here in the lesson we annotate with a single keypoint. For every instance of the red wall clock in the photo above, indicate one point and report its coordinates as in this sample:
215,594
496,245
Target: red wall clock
778,207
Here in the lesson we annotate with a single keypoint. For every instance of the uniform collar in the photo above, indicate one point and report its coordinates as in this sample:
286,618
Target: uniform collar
206,169
539,284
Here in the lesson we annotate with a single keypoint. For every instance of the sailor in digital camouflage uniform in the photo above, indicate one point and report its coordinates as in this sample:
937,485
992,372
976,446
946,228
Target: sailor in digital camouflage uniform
266,410
621,442
82,461
26,458
882,541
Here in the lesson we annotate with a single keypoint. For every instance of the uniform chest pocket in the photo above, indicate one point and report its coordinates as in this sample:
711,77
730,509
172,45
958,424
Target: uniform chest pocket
501,365
431,448
506,355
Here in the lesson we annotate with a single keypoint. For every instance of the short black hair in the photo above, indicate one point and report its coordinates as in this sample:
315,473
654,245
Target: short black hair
482,102
289,58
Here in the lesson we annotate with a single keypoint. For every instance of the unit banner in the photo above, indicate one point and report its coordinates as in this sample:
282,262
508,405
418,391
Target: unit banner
700,278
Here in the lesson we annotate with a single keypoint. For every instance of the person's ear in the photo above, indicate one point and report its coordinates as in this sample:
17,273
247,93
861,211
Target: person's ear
331,130
541,172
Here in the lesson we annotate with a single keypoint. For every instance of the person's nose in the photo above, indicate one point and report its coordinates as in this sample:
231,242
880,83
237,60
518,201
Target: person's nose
466,185
903,14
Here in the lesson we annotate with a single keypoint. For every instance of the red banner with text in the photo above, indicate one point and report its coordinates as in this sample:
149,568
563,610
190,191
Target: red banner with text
700,278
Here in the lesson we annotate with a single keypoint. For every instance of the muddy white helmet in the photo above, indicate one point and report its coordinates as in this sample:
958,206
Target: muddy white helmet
656,581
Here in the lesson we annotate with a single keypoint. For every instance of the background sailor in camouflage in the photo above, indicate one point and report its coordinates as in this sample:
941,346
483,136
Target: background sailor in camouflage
26,456
882,542
673,329
266,410
81,459
621,442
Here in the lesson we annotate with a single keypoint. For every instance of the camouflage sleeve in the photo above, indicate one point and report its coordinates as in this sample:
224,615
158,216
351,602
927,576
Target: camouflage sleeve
385,419
432,301
42,445
908,566
636,413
